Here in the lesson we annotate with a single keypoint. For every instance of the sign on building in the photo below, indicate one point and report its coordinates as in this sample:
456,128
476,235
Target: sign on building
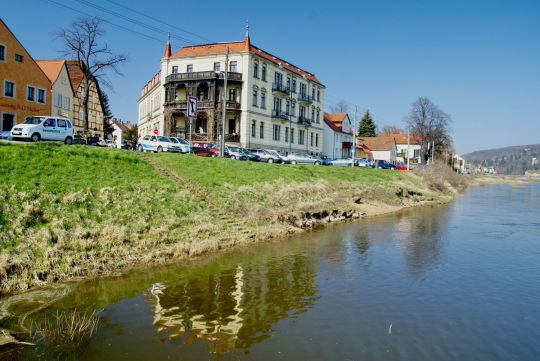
192,107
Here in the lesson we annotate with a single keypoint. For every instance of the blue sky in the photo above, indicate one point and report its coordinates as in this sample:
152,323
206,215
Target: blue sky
477,60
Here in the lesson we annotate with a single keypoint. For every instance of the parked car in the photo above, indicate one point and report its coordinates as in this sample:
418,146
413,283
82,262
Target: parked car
342,162
110,143
235,153
326,160
94,141
157,144
362,162
266,156
401,166
182,143
384,165
5,134
277,155
44,128
205,149
250,155
302,158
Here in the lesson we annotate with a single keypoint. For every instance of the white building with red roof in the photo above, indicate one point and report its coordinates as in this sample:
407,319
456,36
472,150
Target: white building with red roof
270,103
338,135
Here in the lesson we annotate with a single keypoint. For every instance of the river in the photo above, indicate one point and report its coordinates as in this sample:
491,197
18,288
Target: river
453,282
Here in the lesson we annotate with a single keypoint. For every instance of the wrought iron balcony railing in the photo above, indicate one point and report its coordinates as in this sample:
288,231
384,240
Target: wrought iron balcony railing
278,114
280,88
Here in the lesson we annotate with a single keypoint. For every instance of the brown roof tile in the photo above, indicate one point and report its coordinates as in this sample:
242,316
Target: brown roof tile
51,68
377,143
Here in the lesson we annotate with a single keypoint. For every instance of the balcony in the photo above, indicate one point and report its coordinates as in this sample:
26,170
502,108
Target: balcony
278,114
232,138
231,105
182,104
304,98
201,75
280,88
303,120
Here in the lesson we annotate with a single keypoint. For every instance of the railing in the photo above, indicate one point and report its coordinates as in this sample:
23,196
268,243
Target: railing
278,114
304,98
303,120
182,104
231,105
280,88
232,138
202,75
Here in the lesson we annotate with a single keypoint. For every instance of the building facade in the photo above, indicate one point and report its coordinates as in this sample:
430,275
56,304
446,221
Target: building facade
381,147
338,135
24,87
95,104
407,146
269,103
62,92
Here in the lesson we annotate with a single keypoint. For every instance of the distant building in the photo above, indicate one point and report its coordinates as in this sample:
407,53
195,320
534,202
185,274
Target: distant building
337,137
270,103
25,90
95,104
381,147
119,130
460,164
62,92
407,146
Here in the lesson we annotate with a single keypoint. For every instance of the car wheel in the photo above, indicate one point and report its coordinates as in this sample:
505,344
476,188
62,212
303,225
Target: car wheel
293,162
234,157
317,163
270,160
140,148
213,155
68,141
35,137
159,149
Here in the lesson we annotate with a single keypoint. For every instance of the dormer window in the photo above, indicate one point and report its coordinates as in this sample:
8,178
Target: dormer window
18,57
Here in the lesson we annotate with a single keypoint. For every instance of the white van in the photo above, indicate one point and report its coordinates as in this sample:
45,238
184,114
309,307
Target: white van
44,128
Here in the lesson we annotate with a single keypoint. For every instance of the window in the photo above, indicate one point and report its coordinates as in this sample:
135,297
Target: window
312,114
62,123
175,69
318,95
30,93
286,134
67,103
58,100
189,68
277,105
294,85
417,153
277,132
288,82
313,93
312,139
261,131
317,139
232,95
263,72
18,57
217,67
278,78
293,109
263,100
50,122
41,96
301,136
292,135
8,121
9,89
303,89
256,69
2,52
254,97
253,128
287,107
318,115
233,67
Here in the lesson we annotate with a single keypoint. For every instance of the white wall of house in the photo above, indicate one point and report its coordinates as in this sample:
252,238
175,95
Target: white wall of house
117,135
413,152
333,143
62,95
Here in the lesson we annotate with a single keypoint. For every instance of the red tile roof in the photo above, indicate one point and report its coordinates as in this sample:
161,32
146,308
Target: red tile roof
76,74
402,138
51,68
123,126
238,46
335,121
380,143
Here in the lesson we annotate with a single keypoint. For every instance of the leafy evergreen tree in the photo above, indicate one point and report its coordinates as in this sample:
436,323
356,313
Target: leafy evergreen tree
367,126
107,114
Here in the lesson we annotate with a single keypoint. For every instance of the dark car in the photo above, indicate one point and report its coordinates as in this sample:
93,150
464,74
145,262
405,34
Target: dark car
251,156
326,160
93,141
204,149
384,165
235,153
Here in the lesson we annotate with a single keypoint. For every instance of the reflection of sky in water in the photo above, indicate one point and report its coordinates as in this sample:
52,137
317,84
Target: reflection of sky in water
456,282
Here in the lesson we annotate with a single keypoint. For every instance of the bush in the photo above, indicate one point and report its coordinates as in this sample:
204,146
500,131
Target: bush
441,178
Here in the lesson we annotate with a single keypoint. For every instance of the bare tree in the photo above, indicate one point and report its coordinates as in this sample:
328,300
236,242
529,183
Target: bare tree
82,42
340,107
391,129
430,125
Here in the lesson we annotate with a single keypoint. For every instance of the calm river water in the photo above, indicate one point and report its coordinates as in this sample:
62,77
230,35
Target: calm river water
455,282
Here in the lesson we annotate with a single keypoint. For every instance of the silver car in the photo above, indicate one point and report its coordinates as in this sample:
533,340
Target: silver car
342,162
182,143
302,158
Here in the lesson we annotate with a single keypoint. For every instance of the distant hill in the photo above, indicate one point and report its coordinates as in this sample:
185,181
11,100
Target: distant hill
508,160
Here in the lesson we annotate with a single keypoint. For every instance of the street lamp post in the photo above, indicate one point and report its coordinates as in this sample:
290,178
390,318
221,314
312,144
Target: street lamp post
224,109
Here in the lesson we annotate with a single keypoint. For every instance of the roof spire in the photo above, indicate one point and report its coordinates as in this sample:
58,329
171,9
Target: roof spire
167,53
247,40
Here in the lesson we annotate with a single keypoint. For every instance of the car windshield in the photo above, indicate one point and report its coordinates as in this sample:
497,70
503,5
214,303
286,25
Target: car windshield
181,141
234,149
163,139
34,120
273,153
173,140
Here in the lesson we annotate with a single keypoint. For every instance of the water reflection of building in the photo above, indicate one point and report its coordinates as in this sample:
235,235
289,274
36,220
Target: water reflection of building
235,309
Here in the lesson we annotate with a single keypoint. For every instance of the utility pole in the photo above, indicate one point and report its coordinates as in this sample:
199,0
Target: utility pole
222,135
408,148
354,133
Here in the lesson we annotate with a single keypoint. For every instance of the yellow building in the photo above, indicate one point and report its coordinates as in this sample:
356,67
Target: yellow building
25,90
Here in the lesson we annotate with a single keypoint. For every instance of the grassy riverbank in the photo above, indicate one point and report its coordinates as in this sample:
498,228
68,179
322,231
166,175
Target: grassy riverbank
70,211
